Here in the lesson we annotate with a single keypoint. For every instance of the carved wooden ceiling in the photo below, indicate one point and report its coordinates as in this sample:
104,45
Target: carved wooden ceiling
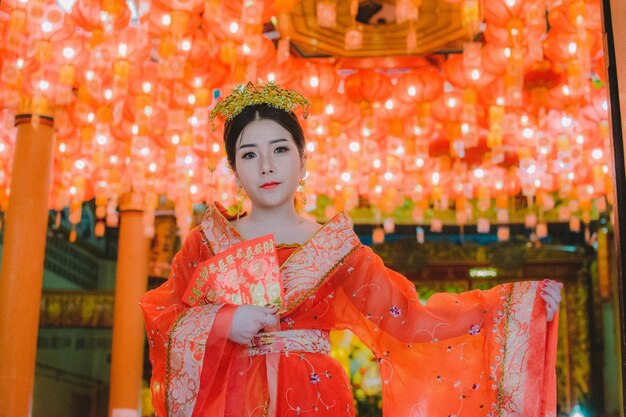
439,28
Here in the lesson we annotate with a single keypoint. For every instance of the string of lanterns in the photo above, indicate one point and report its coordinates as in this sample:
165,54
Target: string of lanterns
522,110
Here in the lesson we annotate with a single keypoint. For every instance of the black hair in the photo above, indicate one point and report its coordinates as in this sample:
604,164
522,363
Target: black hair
234,127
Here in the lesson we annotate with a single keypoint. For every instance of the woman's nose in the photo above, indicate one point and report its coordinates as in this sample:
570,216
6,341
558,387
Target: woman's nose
267,166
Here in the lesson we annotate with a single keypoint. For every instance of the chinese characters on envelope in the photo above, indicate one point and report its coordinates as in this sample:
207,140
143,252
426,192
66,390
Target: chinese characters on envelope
246,273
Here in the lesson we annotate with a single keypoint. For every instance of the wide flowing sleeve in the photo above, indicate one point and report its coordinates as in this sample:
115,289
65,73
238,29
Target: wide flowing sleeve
478,353
189,346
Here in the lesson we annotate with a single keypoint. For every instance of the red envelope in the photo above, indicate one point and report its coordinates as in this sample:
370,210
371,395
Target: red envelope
245,273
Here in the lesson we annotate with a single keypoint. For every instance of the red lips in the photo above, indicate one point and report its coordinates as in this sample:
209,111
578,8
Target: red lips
270,185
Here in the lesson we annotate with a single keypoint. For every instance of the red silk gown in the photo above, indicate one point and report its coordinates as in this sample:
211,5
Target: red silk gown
479,353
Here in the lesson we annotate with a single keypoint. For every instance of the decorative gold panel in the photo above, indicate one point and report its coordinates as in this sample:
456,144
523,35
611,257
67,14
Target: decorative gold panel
439,28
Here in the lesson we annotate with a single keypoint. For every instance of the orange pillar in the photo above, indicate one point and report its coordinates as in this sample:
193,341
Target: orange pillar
22,264
128,326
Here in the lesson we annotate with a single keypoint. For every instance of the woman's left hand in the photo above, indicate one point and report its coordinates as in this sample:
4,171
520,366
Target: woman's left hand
551,294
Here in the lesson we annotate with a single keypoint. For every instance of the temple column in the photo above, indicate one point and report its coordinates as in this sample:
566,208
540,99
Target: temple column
23,263
128,326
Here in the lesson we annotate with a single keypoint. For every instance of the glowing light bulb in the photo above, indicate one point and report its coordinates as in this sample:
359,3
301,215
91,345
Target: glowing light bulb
146,87
122,49
68,52
479,173
566,90
346,177
329,109
234,27
47,27
597,154
354,146
528,133
566,121
314,81
411,91
166,20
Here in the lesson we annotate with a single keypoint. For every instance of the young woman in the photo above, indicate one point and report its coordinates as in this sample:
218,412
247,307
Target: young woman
479,353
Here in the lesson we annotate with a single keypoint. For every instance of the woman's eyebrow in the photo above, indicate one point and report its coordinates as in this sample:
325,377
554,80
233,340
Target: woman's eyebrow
253,145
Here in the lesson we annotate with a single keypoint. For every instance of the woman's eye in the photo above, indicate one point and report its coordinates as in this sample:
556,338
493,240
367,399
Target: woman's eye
248,155
281,149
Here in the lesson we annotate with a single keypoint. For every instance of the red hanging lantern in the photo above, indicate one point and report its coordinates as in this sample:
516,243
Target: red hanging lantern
423,84
502,11
463,77
317,80
367,86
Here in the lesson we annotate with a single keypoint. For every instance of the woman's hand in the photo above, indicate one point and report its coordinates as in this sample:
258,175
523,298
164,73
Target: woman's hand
551,294
248,320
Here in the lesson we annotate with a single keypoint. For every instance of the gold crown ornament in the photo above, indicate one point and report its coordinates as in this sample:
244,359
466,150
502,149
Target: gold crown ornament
250,95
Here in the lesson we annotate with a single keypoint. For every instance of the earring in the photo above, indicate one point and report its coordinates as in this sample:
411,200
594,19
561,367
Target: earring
239,199
302,185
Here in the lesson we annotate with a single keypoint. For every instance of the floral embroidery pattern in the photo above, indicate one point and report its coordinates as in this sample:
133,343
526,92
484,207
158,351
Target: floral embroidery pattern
474,329
310,265
314,378
185,356
395,311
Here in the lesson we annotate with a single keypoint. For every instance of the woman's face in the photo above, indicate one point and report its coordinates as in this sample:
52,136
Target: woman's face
268,164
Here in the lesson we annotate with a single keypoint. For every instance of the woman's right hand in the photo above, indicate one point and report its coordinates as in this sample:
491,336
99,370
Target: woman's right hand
249,320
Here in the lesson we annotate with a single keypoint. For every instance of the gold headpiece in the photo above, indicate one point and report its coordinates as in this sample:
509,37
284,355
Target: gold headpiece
250,94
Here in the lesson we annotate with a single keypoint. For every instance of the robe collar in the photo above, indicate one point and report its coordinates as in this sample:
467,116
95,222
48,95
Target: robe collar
308,267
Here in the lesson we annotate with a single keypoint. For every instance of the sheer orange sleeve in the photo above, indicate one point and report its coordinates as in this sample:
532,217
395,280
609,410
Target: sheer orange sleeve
477,353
